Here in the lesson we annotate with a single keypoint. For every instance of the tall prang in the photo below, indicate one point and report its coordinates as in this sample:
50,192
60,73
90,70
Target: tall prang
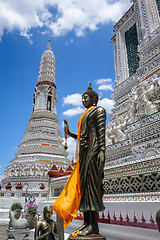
133,133
42,141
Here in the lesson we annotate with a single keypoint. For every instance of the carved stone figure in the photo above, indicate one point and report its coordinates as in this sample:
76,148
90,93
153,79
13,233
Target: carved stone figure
117,132
154,92
144,101
132,107
17,223
119,128
143,105
155,86
110,133
46,228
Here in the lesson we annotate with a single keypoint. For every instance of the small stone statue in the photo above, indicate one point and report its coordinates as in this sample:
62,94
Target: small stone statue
120,129
46,228
132,107
110,133
144,106
18,227
17,223
154,92
142,103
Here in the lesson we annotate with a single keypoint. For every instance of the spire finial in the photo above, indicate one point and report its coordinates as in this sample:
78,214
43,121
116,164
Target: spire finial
49,45
89,85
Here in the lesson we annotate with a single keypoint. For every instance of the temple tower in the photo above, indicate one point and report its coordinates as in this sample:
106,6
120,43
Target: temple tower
42,141
133,133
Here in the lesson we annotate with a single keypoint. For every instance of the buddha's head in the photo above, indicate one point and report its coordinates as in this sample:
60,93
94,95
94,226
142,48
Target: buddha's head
90,97
47,212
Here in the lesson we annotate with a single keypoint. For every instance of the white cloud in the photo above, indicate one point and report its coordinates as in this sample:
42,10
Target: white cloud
59,16
71,143
103,84
25,33
103,81
105,87
106,103
74,99
74,111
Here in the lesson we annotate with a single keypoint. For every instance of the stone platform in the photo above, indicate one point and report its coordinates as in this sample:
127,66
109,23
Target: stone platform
89,237
18,234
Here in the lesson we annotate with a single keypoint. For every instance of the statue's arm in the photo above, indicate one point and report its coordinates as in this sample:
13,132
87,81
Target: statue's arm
73,135
54,228
37,229
101,126
66,129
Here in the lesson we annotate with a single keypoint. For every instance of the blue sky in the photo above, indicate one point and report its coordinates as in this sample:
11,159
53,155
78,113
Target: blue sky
80,33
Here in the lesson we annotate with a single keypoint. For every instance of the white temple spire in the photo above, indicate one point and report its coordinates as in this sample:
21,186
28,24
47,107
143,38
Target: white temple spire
42,143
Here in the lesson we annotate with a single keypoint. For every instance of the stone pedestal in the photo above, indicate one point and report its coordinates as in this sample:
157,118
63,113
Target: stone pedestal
18,234
89,237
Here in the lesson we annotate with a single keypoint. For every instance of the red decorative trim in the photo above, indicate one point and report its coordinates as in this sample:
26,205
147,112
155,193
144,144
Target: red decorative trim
46,83
126,222
135,224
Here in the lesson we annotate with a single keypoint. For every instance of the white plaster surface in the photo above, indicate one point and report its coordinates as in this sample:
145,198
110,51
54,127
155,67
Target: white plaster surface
115,232
147,208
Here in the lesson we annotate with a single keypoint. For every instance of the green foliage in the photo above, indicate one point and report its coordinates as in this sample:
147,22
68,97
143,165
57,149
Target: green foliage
16,206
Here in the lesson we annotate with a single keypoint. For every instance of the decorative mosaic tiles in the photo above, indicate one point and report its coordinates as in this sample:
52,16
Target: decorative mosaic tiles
134,162
147,196
147,148
133,168
118,145
118,153
131,184
143,122
141,176
145,132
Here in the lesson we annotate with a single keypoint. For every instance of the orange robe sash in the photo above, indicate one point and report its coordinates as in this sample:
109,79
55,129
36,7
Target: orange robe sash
67,204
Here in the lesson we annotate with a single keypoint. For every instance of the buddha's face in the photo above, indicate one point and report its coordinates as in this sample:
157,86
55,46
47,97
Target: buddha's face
87,100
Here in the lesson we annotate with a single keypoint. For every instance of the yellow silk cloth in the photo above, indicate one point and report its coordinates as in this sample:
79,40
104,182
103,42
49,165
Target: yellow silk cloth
67,204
